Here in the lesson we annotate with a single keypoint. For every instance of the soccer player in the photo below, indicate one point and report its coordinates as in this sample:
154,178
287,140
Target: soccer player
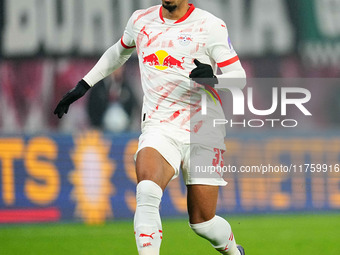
175,43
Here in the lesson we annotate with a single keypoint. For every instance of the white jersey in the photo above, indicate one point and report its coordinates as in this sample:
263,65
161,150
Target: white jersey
166,50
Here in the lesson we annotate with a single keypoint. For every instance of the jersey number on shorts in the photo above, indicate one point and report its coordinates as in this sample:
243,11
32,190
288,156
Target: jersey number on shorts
218,159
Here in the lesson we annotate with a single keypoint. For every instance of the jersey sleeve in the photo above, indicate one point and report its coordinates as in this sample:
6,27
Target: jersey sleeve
114,57
222,52
127,40
219,46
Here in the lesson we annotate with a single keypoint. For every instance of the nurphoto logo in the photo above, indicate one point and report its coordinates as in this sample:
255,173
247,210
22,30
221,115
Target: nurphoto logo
280,98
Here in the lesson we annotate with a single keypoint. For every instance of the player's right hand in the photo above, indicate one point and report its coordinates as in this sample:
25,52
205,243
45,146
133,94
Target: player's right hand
71,96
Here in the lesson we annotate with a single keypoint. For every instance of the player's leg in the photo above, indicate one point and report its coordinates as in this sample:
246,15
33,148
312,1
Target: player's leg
202,200
153,175
151,165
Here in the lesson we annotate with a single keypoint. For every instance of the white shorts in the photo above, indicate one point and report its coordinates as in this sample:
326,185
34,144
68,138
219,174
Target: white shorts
195,160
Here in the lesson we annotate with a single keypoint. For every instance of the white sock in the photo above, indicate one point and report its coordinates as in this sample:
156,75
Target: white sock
147,221
218,232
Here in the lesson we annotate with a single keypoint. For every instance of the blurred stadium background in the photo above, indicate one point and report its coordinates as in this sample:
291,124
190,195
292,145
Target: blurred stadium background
63,175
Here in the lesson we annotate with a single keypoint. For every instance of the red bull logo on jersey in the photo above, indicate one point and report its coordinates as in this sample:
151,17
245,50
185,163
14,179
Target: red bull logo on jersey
162,60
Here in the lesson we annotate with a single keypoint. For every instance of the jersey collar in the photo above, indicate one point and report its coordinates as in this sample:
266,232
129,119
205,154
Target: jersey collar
191,9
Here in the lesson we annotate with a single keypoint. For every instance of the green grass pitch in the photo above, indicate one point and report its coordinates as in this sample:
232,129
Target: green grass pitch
260,234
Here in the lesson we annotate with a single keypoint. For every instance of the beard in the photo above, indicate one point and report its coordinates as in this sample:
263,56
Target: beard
169,7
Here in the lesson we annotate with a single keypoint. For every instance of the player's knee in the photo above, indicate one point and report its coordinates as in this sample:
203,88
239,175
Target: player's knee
148,194
213,230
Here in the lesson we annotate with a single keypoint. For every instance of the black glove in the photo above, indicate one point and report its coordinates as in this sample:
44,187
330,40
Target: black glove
71,96
203,74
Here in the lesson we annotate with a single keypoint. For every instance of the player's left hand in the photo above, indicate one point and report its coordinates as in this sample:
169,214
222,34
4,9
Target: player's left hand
203,74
